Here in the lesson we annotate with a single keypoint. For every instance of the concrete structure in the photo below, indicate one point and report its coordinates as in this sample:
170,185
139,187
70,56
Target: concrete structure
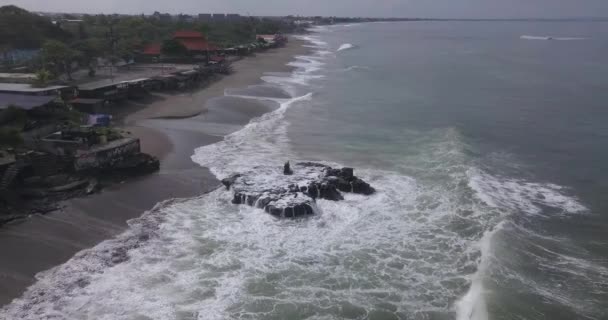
71,25
104,89
106,155
233,17
219,17
273,39
205,17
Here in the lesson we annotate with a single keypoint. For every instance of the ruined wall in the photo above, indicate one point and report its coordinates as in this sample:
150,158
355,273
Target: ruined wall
106,156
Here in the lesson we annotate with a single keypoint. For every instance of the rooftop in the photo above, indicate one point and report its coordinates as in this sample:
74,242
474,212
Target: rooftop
188,34
86,101
100,84
26,88
193,44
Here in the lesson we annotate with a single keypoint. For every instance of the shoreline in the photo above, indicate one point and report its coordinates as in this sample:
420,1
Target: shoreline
44,241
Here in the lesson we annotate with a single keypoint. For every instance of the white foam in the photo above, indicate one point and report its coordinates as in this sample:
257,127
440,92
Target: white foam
472,306
528,37
353,68
521,196
323,53
345,46
239,151
314,40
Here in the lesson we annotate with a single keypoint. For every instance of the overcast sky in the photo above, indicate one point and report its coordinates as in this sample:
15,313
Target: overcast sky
393,8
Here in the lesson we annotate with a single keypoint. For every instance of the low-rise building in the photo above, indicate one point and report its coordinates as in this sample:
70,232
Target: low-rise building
205,17
28,89
219,17
233,17
105,90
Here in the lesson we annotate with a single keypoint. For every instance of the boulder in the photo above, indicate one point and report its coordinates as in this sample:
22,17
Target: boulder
286,169
227,182
293,193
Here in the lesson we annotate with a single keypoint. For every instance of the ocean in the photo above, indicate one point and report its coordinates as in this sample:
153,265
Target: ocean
486,142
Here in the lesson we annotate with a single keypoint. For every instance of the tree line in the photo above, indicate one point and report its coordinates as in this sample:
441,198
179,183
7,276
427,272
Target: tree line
113,37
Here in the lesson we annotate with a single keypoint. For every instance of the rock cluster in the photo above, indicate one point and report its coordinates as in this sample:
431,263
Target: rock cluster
294,193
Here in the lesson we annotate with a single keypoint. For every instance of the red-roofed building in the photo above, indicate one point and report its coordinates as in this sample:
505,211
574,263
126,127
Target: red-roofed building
194,41
152,49
188,34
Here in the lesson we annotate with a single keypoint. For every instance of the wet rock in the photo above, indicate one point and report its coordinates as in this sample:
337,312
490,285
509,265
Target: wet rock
293,195
286,169
227,182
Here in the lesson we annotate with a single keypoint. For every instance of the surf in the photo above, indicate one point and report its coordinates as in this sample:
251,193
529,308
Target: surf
529,37
346,46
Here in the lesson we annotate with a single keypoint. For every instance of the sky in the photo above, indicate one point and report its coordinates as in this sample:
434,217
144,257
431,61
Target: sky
367,8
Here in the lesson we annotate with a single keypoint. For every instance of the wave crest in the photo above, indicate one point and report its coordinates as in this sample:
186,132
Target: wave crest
528,37
345,46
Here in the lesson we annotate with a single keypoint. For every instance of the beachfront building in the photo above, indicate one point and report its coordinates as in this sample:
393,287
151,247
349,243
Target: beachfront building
32,99
105,90
195,42
272,40
29,90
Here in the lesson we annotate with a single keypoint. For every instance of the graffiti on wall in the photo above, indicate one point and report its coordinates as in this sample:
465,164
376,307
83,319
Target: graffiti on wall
106,157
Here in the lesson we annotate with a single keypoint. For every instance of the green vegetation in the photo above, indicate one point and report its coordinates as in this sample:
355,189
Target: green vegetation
58,57
10,137
13,121
43,77
14,117
115,37
20,29
173,48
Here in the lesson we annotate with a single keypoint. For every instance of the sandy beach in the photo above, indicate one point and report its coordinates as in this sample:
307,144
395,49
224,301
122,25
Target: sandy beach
171,126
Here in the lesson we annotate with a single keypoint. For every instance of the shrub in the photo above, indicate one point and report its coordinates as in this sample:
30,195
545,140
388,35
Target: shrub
10,137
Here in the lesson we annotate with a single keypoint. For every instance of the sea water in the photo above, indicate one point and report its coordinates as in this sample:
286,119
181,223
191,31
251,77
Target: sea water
488,151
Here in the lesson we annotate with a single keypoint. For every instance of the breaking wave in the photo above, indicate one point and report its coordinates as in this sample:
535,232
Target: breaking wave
353,68
527,37
345,46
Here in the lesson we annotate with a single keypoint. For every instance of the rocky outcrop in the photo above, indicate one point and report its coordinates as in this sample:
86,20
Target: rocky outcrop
294,193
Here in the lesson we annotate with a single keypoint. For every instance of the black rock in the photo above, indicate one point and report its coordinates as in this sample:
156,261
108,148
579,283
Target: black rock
230,180
286,169
294,193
